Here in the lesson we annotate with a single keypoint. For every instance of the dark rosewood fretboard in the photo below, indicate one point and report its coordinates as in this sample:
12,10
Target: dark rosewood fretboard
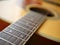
19,32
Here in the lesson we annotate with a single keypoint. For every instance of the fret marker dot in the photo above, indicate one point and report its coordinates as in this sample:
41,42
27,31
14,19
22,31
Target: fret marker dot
21,35
10,30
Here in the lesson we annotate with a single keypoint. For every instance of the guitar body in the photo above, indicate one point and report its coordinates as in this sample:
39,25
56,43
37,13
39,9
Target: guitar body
48,33
51,28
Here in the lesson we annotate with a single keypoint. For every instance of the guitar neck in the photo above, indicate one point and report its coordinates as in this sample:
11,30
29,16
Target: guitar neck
20,32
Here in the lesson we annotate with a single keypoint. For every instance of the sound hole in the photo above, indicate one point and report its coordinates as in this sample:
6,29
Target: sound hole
50,15
42,11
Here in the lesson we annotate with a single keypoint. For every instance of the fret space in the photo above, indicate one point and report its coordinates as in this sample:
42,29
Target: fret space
20,29
15,33
2,42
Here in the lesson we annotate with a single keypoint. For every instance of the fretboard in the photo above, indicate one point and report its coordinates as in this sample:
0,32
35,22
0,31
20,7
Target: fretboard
20,32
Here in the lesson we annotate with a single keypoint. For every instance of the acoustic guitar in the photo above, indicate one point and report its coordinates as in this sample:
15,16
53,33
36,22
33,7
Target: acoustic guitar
39,19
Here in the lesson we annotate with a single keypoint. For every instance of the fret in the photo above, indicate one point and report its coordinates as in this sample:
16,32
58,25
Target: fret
12,39
41,19
5,35
35,20
30,23
22,43
32,15
14,36
16,33
24,25
20,29
18,41
32,20
19,32
6,41
27,26
2,42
